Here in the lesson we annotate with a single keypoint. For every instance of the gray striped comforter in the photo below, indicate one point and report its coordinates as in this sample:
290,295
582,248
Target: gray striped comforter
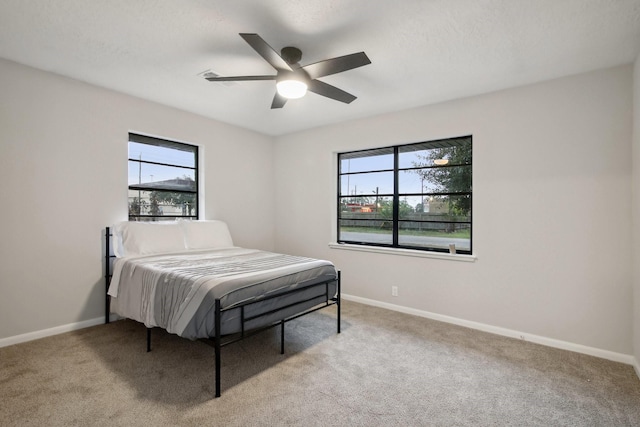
177,292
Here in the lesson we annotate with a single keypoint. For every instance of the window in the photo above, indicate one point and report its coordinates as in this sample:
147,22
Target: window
163,179
415,196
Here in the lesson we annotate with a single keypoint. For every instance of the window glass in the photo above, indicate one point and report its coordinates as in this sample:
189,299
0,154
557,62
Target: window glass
414,196
445,179
367,160
359,184
358,230
172,155
163,179
152,175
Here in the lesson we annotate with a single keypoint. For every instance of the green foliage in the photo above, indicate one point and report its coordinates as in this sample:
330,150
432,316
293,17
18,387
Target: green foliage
186,201
136,205
386,208
451,178
179,200
152,205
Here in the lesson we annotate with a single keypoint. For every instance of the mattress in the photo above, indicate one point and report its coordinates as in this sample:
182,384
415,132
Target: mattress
177,291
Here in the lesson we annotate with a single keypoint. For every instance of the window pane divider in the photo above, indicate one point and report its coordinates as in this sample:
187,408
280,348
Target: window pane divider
149,162
428,220
431,194
449,165
371,171
164,189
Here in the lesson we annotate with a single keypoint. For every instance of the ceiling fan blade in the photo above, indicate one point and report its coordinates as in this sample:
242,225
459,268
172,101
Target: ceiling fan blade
239,78
266,51
278,101
336,65
324,89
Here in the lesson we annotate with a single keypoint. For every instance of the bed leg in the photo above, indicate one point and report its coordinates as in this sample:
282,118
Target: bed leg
338,302
217,346
282,337
148,340
107,298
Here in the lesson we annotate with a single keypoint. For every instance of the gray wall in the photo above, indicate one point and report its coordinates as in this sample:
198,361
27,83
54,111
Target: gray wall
552,210
63,166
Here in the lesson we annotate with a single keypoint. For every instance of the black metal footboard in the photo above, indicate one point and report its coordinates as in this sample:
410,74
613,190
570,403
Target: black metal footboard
221,341
328,295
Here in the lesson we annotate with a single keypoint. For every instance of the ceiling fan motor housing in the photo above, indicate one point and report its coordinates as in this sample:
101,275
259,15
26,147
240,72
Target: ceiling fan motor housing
292,55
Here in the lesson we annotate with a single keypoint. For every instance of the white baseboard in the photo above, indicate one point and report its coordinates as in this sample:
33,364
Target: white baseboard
549,342
4,342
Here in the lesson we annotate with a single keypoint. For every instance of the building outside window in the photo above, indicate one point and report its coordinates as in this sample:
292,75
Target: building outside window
413,196
163,179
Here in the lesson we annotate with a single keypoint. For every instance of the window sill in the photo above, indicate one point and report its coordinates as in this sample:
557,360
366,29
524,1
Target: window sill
404,252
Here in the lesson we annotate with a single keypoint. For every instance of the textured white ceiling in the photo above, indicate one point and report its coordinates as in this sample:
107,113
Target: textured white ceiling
422,51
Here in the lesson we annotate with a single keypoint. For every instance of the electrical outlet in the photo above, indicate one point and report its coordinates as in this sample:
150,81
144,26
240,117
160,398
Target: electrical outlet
394,291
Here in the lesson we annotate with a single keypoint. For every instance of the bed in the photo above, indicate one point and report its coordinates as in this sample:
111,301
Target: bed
188,278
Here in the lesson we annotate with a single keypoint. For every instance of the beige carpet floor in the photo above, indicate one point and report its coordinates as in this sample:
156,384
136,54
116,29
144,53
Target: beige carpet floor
384,369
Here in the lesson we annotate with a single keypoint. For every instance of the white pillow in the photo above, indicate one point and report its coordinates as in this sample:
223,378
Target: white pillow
116,240
144,238
206,234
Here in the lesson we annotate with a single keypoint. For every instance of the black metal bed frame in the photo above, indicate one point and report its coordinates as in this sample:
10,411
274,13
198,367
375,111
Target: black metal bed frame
220,340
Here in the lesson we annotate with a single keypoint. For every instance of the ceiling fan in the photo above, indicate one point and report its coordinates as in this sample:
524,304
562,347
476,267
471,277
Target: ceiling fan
292,79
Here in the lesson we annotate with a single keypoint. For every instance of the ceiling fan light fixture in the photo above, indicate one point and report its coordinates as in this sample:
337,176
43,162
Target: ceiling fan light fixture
291,89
